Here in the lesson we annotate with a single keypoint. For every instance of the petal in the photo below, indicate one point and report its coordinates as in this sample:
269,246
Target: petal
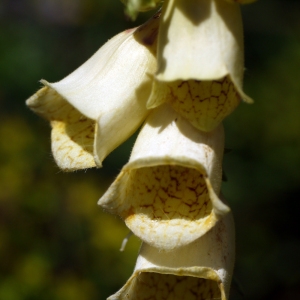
110,78
201,270
111,88
201,40
72,133
167,193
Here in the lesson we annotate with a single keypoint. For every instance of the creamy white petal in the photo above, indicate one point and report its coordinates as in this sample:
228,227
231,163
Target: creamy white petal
201,40
201,270
167,193
111,89
110,78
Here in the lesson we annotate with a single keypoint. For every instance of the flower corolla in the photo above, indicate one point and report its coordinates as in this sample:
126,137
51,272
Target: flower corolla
102,103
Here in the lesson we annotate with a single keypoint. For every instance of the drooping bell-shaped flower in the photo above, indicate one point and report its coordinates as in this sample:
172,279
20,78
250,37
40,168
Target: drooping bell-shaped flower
201,270
167,192
99,105
200,60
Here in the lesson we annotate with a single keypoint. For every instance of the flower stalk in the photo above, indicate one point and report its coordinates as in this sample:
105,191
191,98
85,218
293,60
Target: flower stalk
178,75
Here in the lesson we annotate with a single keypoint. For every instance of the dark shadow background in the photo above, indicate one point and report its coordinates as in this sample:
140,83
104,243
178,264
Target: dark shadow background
56,243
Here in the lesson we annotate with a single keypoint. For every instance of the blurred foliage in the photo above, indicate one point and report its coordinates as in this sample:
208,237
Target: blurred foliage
56,243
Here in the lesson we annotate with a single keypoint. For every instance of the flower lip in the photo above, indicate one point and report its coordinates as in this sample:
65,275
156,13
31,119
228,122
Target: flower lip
72,133
184,206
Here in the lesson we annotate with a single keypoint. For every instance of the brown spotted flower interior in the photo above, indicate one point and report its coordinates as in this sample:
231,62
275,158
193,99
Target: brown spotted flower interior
72,132
169,192
203,103
154,286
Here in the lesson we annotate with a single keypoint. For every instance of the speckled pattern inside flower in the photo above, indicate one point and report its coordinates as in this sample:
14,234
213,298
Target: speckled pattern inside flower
170,205
170,192
72,132
203,103
154,286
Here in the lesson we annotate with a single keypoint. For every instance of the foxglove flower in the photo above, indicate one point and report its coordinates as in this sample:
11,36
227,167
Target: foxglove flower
98,106
201,270
200,60
167,193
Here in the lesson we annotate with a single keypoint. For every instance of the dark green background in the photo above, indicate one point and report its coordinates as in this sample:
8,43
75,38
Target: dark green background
56,243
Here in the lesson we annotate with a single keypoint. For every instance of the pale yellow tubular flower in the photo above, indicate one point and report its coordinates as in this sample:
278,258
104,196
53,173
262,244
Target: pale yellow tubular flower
167,193
200,60
98,106
201,270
